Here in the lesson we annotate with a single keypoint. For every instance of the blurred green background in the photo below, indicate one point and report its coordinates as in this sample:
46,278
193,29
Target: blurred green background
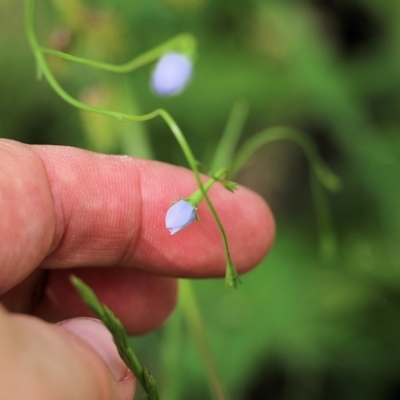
301,326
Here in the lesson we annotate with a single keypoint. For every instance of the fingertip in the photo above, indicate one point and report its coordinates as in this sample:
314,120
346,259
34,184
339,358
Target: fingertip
198,250
254,231
100,340
96,335
97,346
110,211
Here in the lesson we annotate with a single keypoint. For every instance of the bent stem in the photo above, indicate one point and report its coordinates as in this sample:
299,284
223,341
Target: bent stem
43,69
329,179
327,242
184,43
231,276
195,198
319,173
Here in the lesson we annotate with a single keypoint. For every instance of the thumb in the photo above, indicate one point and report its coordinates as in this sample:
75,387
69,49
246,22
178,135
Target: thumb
74,360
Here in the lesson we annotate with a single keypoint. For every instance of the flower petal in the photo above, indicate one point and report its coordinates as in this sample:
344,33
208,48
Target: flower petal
179,216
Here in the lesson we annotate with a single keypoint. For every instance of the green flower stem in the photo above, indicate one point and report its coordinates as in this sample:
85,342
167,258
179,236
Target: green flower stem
120,337
322,172
184,43
195,198
327,238
319,173
231,274
192,314
172,369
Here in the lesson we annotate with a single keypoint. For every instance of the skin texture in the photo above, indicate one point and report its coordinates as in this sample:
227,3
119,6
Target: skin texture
65,211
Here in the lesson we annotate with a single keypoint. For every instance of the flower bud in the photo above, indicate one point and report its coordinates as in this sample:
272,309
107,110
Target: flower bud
179,216
171,74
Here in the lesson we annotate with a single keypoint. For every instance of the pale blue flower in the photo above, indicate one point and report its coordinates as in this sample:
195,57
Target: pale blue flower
171,74
179,216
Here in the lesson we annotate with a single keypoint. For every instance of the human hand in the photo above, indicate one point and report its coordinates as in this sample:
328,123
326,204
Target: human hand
65,211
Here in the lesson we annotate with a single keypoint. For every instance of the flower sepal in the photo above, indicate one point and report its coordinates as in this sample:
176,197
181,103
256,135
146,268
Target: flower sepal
232,278
231,186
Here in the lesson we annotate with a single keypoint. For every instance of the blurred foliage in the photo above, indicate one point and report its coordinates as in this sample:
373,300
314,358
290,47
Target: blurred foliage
300,327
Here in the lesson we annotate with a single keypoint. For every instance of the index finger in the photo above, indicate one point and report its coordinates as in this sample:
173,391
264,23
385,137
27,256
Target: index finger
68,207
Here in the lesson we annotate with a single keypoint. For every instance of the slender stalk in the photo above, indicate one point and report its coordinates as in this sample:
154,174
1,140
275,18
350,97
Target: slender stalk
196,197
193,317
183,42
171,357
231,273
323,173
319,173
327,241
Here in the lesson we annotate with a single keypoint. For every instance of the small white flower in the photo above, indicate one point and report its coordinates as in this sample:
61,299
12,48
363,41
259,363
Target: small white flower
171,74
179,216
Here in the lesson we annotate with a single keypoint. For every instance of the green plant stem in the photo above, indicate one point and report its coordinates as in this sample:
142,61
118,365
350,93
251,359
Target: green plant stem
172,368
183,42
323,173
231,273
230,136
196,197
193,318
319,173
327,241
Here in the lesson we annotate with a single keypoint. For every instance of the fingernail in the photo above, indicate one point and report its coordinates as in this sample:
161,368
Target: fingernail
96,335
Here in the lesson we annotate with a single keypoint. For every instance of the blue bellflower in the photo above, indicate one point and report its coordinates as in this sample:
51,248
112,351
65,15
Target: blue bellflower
179,216
171,74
